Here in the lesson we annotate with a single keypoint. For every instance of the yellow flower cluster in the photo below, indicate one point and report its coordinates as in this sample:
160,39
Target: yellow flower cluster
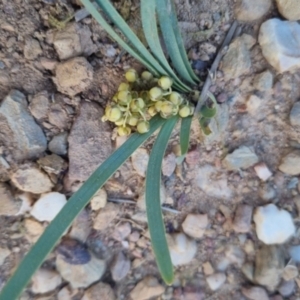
140,98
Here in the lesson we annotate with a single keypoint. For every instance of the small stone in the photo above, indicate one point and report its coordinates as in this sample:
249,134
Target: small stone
8,205
207,268
182,249
280,44
81,227
248,271
253,104
4,253
139,160
52,164
73,76
44,281
31,179
34,230
39,105
255,293
294,252
262,171
290,163
235,255
295,115
286,288
273,226
267,192
120,267
48,64
269,265
195,225
290,272
58,116
122,232
289,9
242,219
99,200
248,10
169,164
32,49
48,206
263,82
59,144
106,216
147,288
241,158
99,291
215,281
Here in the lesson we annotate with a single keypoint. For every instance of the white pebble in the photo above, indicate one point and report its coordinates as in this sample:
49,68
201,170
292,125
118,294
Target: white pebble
262,171
215,281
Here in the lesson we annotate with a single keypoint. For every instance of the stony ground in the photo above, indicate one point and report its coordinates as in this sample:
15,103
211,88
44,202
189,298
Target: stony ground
231,209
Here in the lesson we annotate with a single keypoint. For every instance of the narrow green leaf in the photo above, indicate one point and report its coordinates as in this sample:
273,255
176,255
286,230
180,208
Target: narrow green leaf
209,112
153,207
98,17
204,124
185,130
75,204
148,16
164,15
179,40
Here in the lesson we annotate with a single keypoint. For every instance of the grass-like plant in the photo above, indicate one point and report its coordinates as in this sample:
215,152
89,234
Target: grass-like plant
183,79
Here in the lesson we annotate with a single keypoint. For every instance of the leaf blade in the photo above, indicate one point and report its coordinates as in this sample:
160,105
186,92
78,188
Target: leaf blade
185,131
75,204
153,207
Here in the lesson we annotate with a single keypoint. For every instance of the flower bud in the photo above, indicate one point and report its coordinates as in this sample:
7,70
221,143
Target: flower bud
147,76
168,109
137,104
124,86
143,127
165,82
131,75
155,93
152,111
176,98
124,97
132,120
123,131
158,105
114,114
184,111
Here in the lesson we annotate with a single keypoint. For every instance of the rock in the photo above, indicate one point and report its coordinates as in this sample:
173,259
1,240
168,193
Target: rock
77,265
39,105
207,268
44,281
99,291
263,82
286,288
253,104
273,226
290,272
248,271
92,137
255,293
280,44
262,171
122,232
169,164
146,289
52,164
58,116
4,253
8,205
99,200
269,265
31,179
139,160
81,227
73,40
215,281
59,144
267,192
290,164
237,61
4,169
294,252
212,182
289,9
195,225
241,158
48,206
22,135
242,219
32,49
182,249
106,216
120,267
235,255
34,230
295,115
248,11
73,76
48,64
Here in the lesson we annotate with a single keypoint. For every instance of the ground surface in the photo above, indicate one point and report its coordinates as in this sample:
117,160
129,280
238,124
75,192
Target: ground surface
66,75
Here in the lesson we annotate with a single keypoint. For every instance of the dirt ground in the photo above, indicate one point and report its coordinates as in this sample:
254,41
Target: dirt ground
34,48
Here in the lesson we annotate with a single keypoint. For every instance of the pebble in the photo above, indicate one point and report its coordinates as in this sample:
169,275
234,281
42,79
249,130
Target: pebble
269,265
263,82
81,227
251,10
215,281
295,115
73,76
241,158
99,200
122,231
262,171
44,281
290,164
253,104
195,225
242,218
48,206
31,179
290,272
34,230
267,192
106,216
32,49
52,164
139,160
294,252
39,105
99,291
146,289
255,293
273,226
169,164
59,144
9,206
120,267
207,268
235,255
286,288
4,253
290,9
280,45
182,249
